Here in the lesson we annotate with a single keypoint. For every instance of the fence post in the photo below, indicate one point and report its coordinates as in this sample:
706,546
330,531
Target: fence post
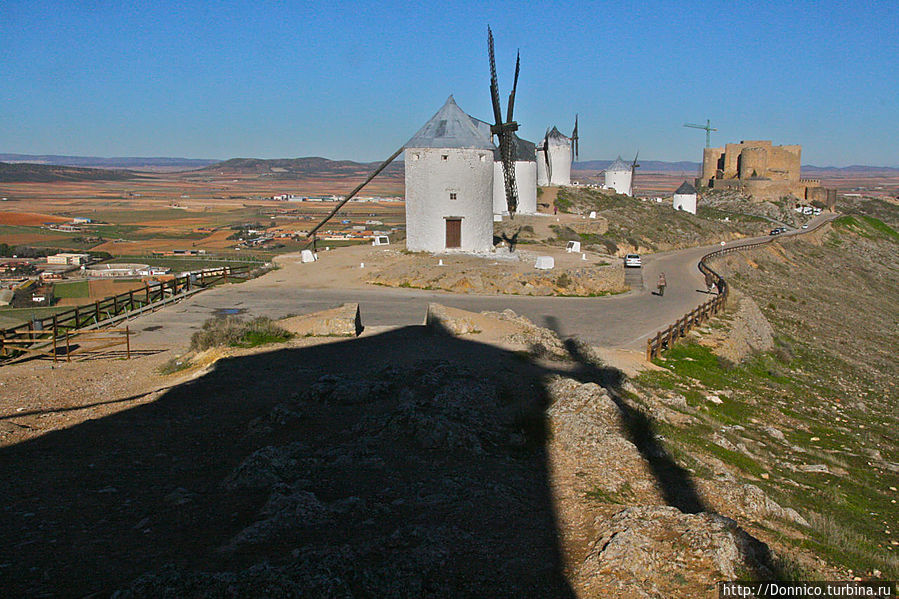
131,299
77,319
147,289
54,346
649,349
97,311
68,350
225,274
127,342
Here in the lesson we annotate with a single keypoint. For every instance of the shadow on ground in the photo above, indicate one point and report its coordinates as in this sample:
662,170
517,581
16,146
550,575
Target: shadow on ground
403,464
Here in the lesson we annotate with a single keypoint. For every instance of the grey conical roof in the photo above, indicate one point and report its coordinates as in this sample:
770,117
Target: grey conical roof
619,165
452,128
557,138
685,188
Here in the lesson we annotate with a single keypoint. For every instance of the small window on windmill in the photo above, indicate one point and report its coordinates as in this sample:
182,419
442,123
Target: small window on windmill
444,156
452,195
483,158
414,156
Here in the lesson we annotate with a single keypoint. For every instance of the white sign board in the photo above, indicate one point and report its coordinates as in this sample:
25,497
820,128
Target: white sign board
308,256
381,240
574,246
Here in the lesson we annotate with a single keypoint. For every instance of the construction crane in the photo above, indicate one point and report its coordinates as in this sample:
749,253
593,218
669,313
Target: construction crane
708,131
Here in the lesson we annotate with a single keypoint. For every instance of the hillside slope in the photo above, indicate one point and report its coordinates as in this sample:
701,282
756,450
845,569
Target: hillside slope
46,173
812,423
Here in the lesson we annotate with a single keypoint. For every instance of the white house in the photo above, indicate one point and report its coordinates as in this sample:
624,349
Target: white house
559,148
449,184
618,177
685,198
525,157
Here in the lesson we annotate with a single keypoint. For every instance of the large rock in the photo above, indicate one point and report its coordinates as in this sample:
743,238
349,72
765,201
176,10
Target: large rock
658,551
344,321
750,332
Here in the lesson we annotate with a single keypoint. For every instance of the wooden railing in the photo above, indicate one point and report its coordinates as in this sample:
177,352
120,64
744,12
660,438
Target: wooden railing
49,344
668,336
52,329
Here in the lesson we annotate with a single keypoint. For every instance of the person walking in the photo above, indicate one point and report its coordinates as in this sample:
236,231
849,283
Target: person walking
661,284
709,282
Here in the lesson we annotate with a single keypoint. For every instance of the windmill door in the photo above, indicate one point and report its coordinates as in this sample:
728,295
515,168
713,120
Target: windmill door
453,232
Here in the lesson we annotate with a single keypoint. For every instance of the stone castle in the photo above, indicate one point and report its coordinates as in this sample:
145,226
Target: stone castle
760,169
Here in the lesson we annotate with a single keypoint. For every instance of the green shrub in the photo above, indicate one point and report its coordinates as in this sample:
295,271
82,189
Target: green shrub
234,331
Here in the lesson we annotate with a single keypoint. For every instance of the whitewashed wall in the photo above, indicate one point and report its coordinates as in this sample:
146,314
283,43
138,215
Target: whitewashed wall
620,181
686,202
429,181
525,180
542,178
560,163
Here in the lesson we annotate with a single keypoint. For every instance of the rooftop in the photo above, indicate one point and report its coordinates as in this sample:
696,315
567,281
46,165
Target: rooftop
453,128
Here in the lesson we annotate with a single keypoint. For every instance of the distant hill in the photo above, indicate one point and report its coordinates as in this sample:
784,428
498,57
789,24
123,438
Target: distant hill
299,168
808,170
645,166
46,173
114,163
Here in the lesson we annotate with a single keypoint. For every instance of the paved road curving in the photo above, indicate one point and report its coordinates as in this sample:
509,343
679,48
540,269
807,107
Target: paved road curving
623,321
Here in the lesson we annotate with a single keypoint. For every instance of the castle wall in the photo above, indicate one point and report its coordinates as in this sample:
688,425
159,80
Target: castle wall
753,162
784,162
710,158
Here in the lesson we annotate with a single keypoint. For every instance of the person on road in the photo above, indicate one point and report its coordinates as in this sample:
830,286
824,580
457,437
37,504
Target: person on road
709,282
661,284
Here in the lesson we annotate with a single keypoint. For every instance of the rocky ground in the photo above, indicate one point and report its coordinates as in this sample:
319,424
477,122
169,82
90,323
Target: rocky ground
497,460
572,274
645,226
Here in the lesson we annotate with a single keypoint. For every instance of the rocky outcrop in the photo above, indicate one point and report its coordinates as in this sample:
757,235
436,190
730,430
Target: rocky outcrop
344,321
749,332
505,279
658,551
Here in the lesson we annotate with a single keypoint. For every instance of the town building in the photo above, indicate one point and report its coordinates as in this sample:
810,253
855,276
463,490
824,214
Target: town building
71,259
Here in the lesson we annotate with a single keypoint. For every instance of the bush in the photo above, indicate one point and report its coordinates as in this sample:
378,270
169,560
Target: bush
236,332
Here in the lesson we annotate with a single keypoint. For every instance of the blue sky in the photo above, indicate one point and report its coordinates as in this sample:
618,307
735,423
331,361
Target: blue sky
350,80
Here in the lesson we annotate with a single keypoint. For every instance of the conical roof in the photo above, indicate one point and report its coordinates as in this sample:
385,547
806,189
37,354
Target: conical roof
557,138
452,128
685,188
619,165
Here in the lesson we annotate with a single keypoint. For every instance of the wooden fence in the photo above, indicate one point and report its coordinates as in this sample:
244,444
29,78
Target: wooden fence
667,337
67,343
42,333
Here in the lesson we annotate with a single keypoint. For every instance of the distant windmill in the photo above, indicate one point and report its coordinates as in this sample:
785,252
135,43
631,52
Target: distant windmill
708,131
504,131
574,138
634,167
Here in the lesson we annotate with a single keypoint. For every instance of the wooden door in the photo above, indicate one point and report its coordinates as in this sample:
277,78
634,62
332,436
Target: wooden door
453,232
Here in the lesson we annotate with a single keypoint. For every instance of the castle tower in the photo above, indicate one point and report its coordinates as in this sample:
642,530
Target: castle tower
526,173
618,177
449,184
559,148
685,198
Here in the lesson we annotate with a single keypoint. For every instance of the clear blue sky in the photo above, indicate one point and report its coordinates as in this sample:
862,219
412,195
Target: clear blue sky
356,80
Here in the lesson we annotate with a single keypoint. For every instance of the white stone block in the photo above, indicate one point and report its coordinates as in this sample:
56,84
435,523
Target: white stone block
308,256
545,262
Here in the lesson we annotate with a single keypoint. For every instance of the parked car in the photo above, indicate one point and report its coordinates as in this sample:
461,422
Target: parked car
775,231
632,260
